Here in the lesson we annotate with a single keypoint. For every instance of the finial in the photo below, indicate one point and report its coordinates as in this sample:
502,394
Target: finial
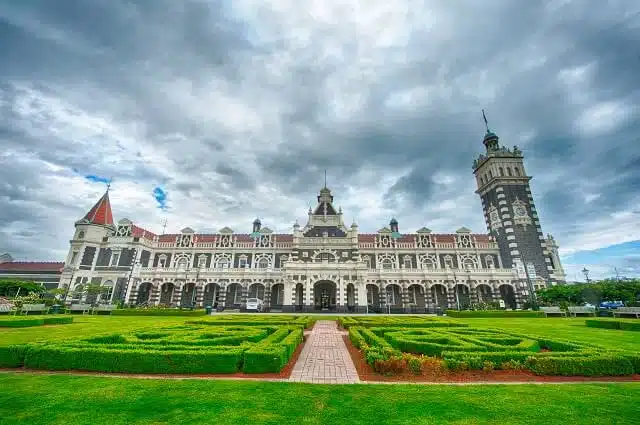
109,183
325,178
485,121
164,226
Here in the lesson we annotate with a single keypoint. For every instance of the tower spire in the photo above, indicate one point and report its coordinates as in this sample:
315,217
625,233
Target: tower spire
100,213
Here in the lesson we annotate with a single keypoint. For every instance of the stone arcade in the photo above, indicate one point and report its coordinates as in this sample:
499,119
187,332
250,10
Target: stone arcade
325,265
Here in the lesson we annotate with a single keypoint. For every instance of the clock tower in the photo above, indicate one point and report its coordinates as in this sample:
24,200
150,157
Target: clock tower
510,213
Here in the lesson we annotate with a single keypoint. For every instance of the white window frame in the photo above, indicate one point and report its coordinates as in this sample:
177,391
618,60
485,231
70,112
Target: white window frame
406,260
115,258
242,262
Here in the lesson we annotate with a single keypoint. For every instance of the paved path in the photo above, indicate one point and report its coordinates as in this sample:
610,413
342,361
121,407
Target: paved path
325,358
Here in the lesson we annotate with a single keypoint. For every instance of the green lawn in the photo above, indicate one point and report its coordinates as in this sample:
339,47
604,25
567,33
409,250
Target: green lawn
47,399
57,399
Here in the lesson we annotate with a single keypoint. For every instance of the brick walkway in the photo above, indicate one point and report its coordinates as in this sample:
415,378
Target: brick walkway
325,358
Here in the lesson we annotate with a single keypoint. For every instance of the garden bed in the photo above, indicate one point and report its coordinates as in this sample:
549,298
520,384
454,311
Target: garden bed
181,349
442,353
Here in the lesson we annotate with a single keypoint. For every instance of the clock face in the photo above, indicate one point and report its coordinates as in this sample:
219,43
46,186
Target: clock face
521,211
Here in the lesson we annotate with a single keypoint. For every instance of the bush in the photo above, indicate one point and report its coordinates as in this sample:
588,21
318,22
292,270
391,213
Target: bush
613,324
157,312
21,322
495,313
603,365
58,320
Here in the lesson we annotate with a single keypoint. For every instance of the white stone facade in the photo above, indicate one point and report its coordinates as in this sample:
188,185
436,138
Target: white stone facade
323,266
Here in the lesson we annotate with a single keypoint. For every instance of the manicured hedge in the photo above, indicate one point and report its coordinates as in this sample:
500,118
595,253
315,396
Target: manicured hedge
613,324
463,348
23,322
394,321
494,313
175,349
157,312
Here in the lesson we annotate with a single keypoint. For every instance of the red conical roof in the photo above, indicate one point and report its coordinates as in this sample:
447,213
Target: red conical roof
101,212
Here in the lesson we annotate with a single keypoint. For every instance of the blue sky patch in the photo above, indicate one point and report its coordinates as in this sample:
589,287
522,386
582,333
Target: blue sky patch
160,196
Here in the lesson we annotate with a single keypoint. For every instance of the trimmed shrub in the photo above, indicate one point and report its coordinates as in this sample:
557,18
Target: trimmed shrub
495,313
13,355
613,324
157,312
602,365
58,320
21,322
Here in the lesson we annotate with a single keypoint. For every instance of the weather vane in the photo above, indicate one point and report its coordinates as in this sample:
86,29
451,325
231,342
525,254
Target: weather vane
485,120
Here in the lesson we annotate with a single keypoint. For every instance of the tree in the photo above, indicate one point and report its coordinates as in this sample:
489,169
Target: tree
604,290
93,291
15,287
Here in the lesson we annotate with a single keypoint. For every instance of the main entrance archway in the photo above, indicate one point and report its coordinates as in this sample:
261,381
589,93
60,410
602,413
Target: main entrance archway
324,295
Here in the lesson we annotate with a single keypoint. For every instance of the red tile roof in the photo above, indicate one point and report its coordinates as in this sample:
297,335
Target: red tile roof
32,266
100,213
139,232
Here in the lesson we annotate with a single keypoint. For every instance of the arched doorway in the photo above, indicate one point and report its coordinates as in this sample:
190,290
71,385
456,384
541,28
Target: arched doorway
508,296
144,294
277,296
233,297
166,294
484,293
256,290
439,296
324,295
416,298
211,293
394,296
463,296
373,297
188,298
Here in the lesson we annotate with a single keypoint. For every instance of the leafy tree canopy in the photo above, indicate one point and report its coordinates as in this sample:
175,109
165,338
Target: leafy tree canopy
627,291
11,287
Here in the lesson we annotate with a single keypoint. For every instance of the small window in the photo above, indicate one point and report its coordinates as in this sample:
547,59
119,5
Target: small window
242,262
407,263
501,171
489,260
367,261
162,261
263,263
448,262
387,264
517,170
74,257
114,259
509,171
202,262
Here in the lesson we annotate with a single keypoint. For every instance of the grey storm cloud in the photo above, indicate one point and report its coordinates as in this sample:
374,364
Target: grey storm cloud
238,107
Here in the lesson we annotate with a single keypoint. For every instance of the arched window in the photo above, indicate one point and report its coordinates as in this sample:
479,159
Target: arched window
489,261
386,264
222,263
501,171
182,263
263,263
427,263
367,261
468,263
448,262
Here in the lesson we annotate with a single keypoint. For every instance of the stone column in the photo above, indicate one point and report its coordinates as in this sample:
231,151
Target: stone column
200,294
308,286
154,299
223,295
133,293
177,294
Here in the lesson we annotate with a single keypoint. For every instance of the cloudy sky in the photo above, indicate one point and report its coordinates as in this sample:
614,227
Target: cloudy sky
210,113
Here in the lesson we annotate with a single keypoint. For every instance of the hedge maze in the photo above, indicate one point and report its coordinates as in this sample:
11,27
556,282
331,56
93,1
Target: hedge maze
190,348
461,348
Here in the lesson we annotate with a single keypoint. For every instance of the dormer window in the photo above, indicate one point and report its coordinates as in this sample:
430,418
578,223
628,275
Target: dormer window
448,262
